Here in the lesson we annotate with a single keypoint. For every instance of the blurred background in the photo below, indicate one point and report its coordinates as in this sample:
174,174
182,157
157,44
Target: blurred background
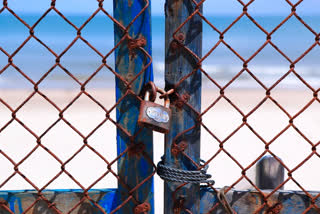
245,37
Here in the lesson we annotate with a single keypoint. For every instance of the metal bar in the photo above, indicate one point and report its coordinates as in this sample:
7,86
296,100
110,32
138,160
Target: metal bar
269,173
19,201
246,201
179,62
133,168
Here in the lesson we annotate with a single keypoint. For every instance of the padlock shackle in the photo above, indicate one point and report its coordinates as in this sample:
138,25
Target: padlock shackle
166,98
151,88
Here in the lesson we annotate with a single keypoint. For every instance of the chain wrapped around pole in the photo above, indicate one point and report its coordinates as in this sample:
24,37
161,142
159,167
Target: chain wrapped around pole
183,176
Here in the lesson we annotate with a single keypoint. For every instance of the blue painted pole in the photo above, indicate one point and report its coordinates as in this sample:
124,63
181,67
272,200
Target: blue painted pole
245,201
179,63
133,168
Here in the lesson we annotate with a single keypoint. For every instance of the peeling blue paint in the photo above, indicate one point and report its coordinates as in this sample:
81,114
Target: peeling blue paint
21,199
133,169
292,201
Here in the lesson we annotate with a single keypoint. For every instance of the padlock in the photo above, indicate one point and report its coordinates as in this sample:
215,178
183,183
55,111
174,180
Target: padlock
152,115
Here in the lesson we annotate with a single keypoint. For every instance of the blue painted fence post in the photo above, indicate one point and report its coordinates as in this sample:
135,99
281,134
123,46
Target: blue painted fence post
134,168
179,63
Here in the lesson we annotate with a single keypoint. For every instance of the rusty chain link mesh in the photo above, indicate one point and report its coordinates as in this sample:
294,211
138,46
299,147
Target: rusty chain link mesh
61,118
266,204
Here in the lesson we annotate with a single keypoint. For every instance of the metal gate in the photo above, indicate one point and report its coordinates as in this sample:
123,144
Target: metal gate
134,145
133,166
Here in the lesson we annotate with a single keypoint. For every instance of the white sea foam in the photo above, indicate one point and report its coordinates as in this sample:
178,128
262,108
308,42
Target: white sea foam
221,73
267,74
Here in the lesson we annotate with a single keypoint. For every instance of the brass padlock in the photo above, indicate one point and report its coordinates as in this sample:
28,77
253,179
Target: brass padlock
153,115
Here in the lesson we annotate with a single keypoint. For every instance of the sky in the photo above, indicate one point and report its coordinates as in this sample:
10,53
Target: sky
211,7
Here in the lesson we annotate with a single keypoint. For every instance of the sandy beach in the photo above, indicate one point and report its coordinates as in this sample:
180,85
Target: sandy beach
268,120
222,119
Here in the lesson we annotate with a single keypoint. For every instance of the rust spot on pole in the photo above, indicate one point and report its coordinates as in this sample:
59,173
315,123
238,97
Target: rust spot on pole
134,44
3,202
275,209
181,37
182,100
178,205
174,46
136,149
178,148
142,208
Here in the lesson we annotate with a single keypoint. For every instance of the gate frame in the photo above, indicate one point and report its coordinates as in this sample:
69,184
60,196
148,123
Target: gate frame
128,67
184,125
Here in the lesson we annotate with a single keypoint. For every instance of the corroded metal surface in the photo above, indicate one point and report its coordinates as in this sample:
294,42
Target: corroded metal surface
18,202
154,116
182,36
245,202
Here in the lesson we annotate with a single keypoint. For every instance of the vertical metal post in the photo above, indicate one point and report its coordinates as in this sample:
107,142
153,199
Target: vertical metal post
132,169
179,63
269,173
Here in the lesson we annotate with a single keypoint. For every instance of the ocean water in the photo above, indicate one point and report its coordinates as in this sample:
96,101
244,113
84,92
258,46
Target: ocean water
222,64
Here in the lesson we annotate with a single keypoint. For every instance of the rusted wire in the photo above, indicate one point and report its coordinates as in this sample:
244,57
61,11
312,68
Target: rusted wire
181,100
223,200
133,47
179,43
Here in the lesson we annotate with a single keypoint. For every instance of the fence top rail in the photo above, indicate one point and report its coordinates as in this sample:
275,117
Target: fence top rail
20,201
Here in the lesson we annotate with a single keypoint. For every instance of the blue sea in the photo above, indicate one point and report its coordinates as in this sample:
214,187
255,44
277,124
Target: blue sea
245,37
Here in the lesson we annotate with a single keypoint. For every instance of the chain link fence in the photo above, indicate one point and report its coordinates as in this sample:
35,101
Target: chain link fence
128,90
236,117
262,126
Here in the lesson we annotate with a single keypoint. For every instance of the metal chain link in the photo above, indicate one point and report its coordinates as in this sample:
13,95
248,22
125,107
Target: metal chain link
270,34
183,176
133,45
